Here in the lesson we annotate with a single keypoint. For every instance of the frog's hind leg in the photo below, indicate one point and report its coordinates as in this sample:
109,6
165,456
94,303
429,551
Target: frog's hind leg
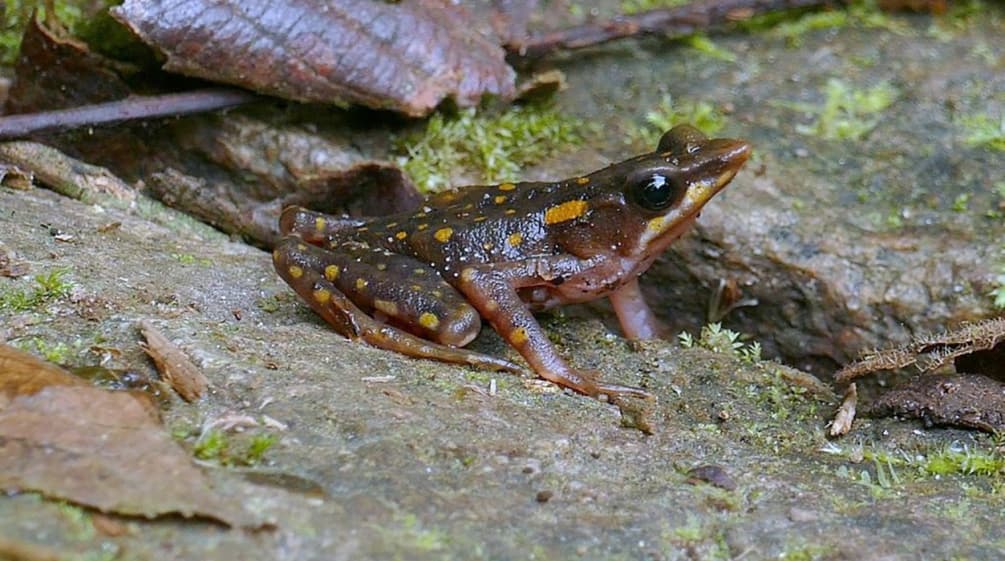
315,274
314,227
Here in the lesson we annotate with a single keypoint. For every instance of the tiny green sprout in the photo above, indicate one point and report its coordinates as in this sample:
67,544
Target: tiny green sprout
964,461
260,444
497,146
982,130
686,340
718,339
961,202
48,286
212,445
845,113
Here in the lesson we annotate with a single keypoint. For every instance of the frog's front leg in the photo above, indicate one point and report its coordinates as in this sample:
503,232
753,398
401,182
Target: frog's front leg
636,318
492,290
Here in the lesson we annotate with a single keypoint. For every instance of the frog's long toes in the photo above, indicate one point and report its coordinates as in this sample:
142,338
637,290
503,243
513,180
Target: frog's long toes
614,391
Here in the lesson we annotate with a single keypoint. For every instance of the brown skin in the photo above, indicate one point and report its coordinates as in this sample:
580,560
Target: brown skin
419,282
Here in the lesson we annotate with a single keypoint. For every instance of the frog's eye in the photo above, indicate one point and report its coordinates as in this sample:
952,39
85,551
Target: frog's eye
681,139
656,192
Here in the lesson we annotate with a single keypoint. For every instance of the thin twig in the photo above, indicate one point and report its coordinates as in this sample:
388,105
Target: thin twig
135,107
670,22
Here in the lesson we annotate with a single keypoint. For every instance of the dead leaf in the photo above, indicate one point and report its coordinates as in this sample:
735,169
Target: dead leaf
173,364
107,450
407,56
104,450
22,373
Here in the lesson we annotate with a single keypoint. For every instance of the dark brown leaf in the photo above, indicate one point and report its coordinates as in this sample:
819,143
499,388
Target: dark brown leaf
47,63
407,56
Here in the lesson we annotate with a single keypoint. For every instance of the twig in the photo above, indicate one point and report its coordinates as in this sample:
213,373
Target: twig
670,22
136,107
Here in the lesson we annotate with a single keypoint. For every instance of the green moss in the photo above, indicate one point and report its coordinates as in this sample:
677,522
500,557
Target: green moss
706,46
847,113
241,449
717,339
496,146
792,26
967,461
983,130
46,288
668,114
636,6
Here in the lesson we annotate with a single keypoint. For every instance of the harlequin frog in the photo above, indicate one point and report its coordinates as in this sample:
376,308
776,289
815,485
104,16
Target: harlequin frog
420,282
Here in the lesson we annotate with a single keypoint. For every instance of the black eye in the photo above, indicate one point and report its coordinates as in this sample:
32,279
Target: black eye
656,192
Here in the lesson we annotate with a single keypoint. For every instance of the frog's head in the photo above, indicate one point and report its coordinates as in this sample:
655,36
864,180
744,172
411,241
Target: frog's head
658,195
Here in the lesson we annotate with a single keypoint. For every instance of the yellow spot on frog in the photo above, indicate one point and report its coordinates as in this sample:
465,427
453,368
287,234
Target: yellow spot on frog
467,275
518,336
583,180
515,239
510,211
391,225
419,271
296,272
361,284
381,266
499,199
322,295
320,223
401,235
480,218
276,256
301,247
416,288
422,227
506,186
488,246
656,224
443,234
429,320
332,272
568,210
386,306
491,306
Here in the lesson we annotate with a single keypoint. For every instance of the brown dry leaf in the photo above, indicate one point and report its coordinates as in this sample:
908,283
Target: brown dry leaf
173,364
846,412
106,450
22,373
406,56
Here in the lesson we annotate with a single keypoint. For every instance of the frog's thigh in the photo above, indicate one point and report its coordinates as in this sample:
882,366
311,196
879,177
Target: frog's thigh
401,290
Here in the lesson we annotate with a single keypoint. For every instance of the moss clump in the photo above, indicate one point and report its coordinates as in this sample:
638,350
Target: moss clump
496,146
983,130
636,6
847,113
47,287
792,26
717,339
230,449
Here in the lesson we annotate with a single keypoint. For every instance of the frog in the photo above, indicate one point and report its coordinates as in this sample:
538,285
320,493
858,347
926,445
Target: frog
421,282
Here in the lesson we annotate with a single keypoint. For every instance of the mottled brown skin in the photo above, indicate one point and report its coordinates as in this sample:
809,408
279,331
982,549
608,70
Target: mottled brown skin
420,282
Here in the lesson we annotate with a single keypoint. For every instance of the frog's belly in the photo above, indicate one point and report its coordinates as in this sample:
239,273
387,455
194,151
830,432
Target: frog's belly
586,286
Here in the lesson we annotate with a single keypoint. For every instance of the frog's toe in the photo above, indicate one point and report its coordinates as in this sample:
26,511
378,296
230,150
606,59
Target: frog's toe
614,391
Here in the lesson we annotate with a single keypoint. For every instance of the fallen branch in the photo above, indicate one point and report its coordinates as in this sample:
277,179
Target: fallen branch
135,107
